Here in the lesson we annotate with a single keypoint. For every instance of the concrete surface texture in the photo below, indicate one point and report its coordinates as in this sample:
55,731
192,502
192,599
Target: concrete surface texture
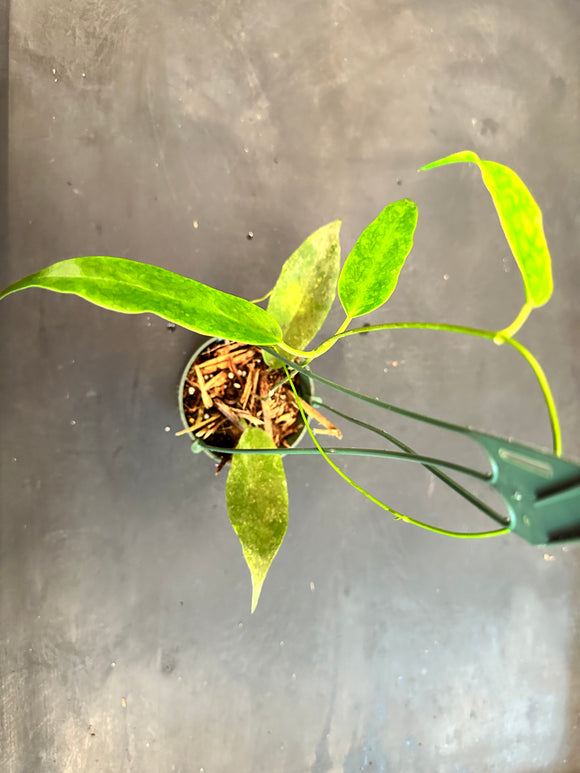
166,132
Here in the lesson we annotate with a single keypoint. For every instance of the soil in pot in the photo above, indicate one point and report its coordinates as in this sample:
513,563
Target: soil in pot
229,385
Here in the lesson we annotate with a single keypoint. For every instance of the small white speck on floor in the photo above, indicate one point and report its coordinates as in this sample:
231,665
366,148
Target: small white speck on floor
548,557
156,164
72,422
168,429
281,643
445,277
14,459
195,224
311,586
294,677
54,70
84,75
113,664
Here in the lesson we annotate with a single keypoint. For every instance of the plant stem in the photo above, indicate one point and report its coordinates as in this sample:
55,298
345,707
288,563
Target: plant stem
368,495
289,351
307,356
326,345
511,330
498,338
263,298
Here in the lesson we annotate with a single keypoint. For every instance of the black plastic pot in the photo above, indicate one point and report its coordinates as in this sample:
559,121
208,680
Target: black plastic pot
305,390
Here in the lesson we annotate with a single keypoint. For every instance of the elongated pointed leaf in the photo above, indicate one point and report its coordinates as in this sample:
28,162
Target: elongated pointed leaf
257,500
306,287
521,220
371,271
133,288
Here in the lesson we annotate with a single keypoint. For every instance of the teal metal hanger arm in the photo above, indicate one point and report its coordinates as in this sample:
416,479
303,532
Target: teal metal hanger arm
541,490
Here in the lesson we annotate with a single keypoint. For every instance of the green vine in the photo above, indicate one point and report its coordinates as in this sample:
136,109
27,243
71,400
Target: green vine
398,516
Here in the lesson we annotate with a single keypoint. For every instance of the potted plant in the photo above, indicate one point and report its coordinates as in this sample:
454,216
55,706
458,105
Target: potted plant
259,364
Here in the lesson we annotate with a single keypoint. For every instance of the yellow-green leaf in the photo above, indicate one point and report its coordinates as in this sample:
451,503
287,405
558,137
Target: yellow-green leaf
133,288
306,287
371,271
257,501
521,220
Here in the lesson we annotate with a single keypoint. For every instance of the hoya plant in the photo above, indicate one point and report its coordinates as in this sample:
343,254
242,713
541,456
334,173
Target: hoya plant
256,489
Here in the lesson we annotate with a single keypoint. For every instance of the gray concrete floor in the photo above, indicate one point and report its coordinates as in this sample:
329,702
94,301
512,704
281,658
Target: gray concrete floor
126,642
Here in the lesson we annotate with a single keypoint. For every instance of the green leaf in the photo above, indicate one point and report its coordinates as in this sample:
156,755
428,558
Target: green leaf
370,273
257,501
134,288
521,220
306,287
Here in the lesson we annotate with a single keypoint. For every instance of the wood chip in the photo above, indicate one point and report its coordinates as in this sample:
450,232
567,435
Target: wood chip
207,401
234,368
222,361
216,382
196,426
229,413
266,408
330,428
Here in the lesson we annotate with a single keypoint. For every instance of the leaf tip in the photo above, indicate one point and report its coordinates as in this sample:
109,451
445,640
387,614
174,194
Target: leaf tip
462,156
257,584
